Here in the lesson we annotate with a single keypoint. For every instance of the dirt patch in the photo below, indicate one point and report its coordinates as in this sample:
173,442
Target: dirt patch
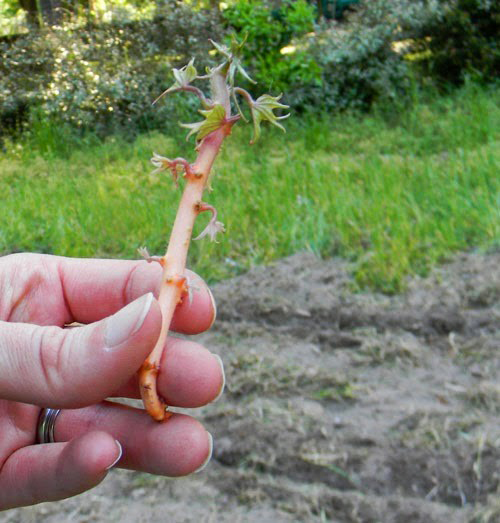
340,406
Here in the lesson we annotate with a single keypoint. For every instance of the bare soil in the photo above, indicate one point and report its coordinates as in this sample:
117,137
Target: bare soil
340,406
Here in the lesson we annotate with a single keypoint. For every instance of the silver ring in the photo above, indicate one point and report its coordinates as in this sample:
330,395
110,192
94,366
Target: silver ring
46,425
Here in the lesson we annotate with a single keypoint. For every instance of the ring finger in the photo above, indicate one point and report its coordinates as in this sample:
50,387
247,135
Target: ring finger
176,447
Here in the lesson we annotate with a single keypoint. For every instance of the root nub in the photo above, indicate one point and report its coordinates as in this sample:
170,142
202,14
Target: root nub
154,405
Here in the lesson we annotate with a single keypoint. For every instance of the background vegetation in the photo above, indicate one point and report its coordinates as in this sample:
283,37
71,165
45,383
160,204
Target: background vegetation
99,69
394,197
391,158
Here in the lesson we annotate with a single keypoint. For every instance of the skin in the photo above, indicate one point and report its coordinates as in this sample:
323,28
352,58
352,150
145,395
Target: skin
43,363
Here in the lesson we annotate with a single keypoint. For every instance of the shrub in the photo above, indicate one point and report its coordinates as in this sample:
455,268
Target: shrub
358,63
376,55
270,27
456,38
102,77
23,76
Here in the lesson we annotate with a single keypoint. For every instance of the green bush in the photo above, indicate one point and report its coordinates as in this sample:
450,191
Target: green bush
269,29
379,52
358,63
103,77
23,77
457,38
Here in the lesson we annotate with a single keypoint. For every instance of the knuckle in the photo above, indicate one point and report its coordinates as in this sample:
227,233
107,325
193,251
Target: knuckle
49,345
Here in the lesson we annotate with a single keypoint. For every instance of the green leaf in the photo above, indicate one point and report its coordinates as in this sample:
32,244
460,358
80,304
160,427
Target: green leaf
233,60
262,110
214,119
222,49
183,76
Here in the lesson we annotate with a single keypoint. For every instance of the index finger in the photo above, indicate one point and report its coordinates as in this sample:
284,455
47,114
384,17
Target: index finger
96,288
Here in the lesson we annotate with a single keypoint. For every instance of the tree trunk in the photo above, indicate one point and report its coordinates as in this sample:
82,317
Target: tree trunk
31,12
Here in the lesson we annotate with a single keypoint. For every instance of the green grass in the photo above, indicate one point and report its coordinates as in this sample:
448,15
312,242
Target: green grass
395,195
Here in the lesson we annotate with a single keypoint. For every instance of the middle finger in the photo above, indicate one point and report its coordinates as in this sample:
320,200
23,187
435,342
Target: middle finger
190,375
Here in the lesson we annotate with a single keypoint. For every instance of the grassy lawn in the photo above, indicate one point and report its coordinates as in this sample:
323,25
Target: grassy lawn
393,195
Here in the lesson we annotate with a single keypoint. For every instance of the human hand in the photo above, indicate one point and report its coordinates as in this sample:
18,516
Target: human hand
43,364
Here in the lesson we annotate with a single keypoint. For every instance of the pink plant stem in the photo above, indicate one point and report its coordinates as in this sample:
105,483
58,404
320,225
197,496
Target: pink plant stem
173,284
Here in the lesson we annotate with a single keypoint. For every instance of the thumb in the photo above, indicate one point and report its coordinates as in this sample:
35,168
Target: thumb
50,366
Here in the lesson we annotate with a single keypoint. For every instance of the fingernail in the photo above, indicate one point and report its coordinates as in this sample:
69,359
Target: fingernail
214,307
120,453
209,457
221,391
127,321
